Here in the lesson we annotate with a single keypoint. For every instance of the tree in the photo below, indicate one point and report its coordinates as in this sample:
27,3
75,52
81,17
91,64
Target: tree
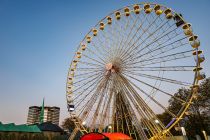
199,118
68,124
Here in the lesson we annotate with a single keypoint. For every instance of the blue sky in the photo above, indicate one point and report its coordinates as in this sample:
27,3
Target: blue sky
38,39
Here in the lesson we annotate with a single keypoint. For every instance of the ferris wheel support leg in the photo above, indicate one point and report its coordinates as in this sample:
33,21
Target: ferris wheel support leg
73,134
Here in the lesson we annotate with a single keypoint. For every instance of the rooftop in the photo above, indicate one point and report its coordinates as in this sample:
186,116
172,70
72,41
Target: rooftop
11,127
46,126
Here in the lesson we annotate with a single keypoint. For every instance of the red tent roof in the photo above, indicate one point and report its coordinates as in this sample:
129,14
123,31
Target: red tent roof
109,136
93,136
117,136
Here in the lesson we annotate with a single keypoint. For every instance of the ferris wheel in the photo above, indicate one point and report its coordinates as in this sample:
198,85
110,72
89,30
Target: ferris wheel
126,69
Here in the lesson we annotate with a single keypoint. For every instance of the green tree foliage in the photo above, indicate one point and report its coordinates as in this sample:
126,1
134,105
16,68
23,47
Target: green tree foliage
199,117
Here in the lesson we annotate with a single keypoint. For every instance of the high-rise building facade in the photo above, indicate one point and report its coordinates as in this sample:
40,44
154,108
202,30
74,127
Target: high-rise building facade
51,114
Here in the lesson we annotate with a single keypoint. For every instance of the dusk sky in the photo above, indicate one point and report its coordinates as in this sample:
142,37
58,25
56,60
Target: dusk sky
38,39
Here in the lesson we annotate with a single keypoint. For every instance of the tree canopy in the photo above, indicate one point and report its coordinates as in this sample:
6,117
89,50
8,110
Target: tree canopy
198,117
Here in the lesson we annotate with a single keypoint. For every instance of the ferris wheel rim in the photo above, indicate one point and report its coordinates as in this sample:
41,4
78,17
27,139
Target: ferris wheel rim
195,81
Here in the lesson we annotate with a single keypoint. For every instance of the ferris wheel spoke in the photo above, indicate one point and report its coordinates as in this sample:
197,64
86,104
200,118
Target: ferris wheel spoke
150,35
161,91
80,74
91,64
149,117
122,43
145,111
91,98
139,28
85,82
94,53
94,59
103,55
96,112
160,21
84,112
166,58
102,44
127,89
130,39
121,30
135,47
114,33
90,79
112,111
167,32
160,47
112,42
107,46
123,36
168,40
94,98
103,62
158,28
105,111
125,43
159,78
132,91
130,98
124,112
166,68
158,38
89,69
82,80
155,101
85,95
132,114
105,107
160,50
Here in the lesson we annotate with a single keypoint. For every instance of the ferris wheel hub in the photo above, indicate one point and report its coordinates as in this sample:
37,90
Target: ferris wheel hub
114,66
